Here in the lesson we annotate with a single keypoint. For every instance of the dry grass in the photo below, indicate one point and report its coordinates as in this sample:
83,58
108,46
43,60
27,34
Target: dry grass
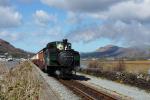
137,66
20,83
127,66
134,73
3,68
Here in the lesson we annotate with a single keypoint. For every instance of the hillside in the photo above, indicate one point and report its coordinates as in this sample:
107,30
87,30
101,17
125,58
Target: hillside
112,51
6,47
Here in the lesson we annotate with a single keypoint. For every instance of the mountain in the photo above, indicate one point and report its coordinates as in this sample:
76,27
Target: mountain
112,51
7,48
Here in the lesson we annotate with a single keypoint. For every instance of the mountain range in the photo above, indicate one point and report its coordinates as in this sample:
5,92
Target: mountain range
108,51
8,49
112,51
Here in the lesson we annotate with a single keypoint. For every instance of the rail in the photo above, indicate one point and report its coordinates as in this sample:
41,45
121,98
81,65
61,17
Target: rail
85,92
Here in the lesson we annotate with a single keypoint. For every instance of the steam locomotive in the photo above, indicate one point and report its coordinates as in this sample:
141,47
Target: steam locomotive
58,58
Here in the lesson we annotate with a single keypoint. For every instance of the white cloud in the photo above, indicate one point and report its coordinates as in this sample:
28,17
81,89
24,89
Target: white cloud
125,10
54,32
82,5
134,33
126,21
9,36
9,17
74,18
43,18
128,11
4,2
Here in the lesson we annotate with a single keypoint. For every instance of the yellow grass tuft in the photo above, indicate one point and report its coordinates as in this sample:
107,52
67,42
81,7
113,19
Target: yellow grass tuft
20,83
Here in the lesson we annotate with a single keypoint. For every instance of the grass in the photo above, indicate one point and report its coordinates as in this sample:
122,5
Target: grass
20,83
128,66
3,68
133,73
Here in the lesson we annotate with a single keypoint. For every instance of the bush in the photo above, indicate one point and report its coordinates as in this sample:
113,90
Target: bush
95,64
120,66
122,77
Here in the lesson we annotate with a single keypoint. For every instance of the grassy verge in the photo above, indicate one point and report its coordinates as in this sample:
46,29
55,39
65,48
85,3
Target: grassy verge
139,81
3,68
118,71
20,83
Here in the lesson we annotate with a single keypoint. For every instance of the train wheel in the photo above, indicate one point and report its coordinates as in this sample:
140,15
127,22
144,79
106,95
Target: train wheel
45,69
75,72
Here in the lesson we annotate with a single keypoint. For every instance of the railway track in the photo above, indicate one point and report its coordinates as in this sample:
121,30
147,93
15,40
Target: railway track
85,92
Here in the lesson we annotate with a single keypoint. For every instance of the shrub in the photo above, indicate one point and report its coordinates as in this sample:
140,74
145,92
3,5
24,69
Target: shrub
120,65
122,77
95,64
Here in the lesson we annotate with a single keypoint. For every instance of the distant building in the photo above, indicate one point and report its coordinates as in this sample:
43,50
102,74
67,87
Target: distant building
2,56
110,58
84,59
94,59
149,72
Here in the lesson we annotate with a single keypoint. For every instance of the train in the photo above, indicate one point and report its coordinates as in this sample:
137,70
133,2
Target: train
58,58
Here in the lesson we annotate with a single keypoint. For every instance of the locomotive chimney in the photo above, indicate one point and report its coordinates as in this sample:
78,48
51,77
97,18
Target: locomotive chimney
65,41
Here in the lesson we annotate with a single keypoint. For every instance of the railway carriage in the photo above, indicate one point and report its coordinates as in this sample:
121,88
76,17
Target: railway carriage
58,58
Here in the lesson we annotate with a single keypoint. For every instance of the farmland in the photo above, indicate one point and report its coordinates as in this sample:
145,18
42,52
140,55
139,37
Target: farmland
136,67
135,73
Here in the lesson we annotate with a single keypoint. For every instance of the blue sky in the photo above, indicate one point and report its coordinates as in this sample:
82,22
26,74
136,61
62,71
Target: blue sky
88,24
